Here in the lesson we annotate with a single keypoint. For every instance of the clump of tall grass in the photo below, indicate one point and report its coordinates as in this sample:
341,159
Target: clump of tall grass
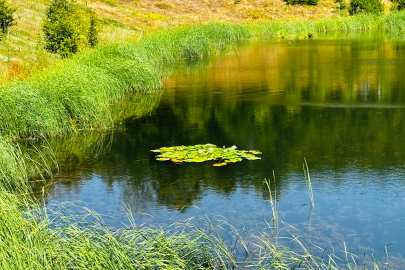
392,23
31,240
13,171
35,239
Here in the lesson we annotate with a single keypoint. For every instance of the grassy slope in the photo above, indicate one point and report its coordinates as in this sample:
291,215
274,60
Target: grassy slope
21,51
127,19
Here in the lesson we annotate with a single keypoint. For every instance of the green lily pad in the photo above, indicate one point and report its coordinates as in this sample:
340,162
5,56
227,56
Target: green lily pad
204,152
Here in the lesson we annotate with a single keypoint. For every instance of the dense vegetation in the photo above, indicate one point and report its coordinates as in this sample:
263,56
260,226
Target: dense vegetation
302,2
6,16
398,5
366,6
63,27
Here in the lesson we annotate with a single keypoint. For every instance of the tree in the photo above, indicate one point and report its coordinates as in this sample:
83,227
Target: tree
398,5
6,16
366,6
61,28
92,35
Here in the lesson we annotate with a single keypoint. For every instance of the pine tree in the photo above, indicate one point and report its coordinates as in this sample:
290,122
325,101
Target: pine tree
6,16
61,28
92,35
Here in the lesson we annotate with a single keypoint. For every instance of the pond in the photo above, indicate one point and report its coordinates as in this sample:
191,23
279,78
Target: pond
336,100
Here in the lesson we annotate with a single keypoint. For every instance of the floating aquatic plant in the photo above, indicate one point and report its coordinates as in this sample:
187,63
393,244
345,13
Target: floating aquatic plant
205,152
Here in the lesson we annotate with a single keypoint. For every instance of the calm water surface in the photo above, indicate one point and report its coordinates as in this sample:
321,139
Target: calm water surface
338,101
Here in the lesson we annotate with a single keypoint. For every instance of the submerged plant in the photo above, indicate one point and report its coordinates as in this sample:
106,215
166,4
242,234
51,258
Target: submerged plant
204,152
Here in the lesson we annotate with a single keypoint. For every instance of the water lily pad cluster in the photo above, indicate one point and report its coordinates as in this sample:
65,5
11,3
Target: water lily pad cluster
204,152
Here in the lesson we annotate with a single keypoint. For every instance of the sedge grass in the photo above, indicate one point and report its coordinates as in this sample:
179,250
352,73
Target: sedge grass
77,238
309,183
36,239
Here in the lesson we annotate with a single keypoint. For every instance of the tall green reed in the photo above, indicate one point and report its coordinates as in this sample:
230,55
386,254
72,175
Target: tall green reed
273,201
309,183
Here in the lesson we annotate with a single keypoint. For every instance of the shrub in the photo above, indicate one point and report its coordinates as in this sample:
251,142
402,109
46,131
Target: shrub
342,3
163,6
61,28
398,5
366,6
302,2
6,16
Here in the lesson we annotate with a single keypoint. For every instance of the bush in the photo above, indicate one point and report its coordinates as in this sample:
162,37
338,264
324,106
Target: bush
61,28
302,2
342,3
398,5
366,6
6,16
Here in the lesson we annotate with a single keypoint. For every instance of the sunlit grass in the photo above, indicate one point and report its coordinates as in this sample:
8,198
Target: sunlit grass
76,237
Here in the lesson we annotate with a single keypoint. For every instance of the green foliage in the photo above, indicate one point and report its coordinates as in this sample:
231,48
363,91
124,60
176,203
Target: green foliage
61,28
163,6
92,35
398,5
302,2
366,6
342,4
204,152
113,3
6,16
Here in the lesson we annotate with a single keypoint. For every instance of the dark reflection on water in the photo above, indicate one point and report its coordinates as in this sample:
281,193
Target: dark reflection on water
337,101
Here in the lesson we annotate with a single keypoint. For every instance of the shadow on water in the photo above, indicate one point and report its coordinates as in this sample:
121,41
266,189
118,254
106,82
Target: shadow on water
338,101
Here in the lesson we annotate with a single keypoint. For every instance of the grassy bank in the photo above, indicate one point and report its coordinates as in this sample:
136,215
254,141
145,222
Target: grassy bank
31,240
78,95
22,49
